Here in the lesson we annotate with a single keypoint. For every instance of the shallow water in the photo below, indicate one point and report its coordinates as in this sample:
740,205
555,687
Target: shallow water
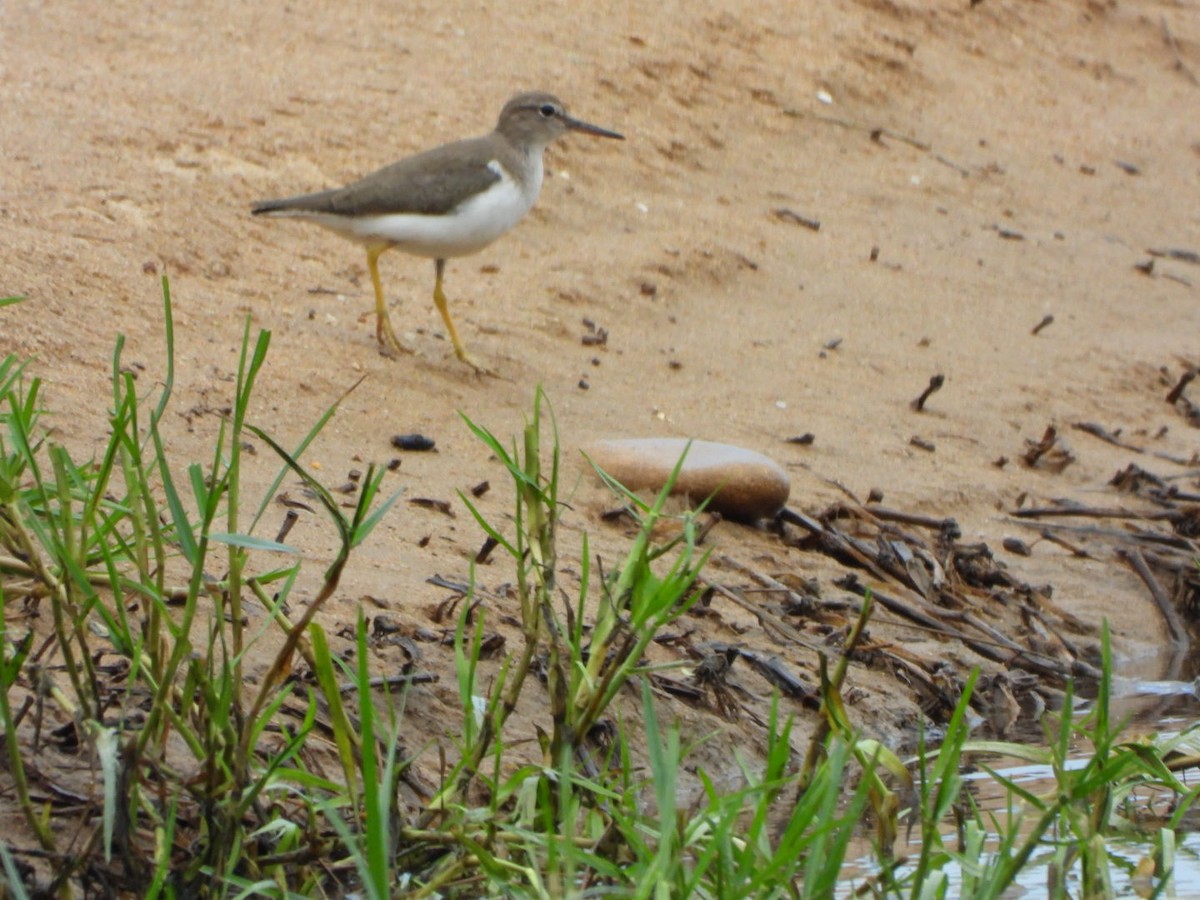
1154,697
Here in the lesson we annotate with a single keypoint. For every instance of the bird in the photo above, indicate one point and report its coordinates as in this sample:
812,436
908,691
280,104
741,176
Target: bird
447,202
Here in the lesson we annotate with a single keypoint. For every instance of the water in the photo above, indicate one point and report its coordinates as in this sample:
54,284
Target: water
1163,706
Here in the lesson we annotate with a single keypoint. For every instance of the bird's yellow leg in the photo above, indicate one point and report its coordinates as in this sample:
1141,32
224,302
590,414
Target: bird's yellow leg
383,325
439,298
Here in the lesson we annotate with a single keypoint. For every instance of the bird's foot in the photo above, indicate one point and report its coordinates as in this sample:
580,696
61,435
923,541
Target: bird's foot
389,344
481,370
393,349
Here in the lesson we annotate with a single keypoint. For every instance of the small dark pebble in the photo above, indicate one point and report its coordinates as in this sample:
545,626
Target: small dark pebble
414,442
393,464
804,440
583,385
875,495
1017,546
355,474
480,489
921,444
382,625
424,542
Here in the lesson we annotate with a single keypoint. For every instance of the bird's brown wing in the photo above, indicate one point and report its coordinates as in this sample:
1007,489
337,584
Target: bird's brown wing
431,183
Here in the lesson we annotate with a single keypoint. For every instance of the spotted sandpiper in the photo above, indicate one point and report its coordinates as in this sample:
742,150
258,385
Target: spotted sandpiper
453,200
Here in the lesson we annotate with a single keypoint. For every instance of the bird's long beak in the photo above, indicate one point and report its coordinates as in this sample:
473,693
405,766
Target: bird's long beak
588,128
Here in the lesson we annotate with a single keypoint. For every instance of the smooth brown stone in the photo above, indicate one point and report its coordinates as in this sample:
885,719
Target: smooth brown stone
748,485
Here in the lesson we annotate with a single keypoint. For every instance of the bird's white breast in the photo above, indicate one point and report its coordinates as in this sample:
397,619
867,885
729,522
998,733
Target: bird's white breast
473,225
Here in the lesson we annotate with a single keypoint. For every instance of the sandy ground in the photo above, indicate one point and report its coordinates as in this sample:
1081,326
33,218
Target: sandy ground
1030,156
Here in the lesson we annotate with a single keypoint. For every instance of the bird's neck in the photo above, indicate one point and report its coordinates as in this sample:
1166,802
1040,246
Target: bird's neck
527,157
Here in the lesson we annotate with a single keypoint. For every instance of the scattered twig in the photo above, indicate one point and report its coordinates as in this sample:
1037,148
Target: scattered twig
1050,451
935,385
289,519
946,526
1184,380
1105,435
707,523
798,601
945,161
442,506
776,673
1135,559
998,648
877,133
485,551
775,628
834,543
788,215
1187,256
1093,512
1046,322
393,681
1091,531
1078,552
1113,438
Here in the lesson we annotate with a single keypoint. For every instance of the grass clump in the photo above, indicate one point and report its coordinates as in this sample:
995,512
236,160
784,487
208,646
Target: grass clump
147,576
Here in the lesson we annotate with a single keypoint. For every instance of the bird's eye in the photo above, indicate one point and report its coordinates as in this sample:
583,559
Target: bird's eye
547,110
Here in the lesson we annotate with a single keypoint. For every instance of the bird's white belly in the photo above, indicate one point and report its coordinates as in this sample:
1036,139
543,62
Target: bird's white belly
468,229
